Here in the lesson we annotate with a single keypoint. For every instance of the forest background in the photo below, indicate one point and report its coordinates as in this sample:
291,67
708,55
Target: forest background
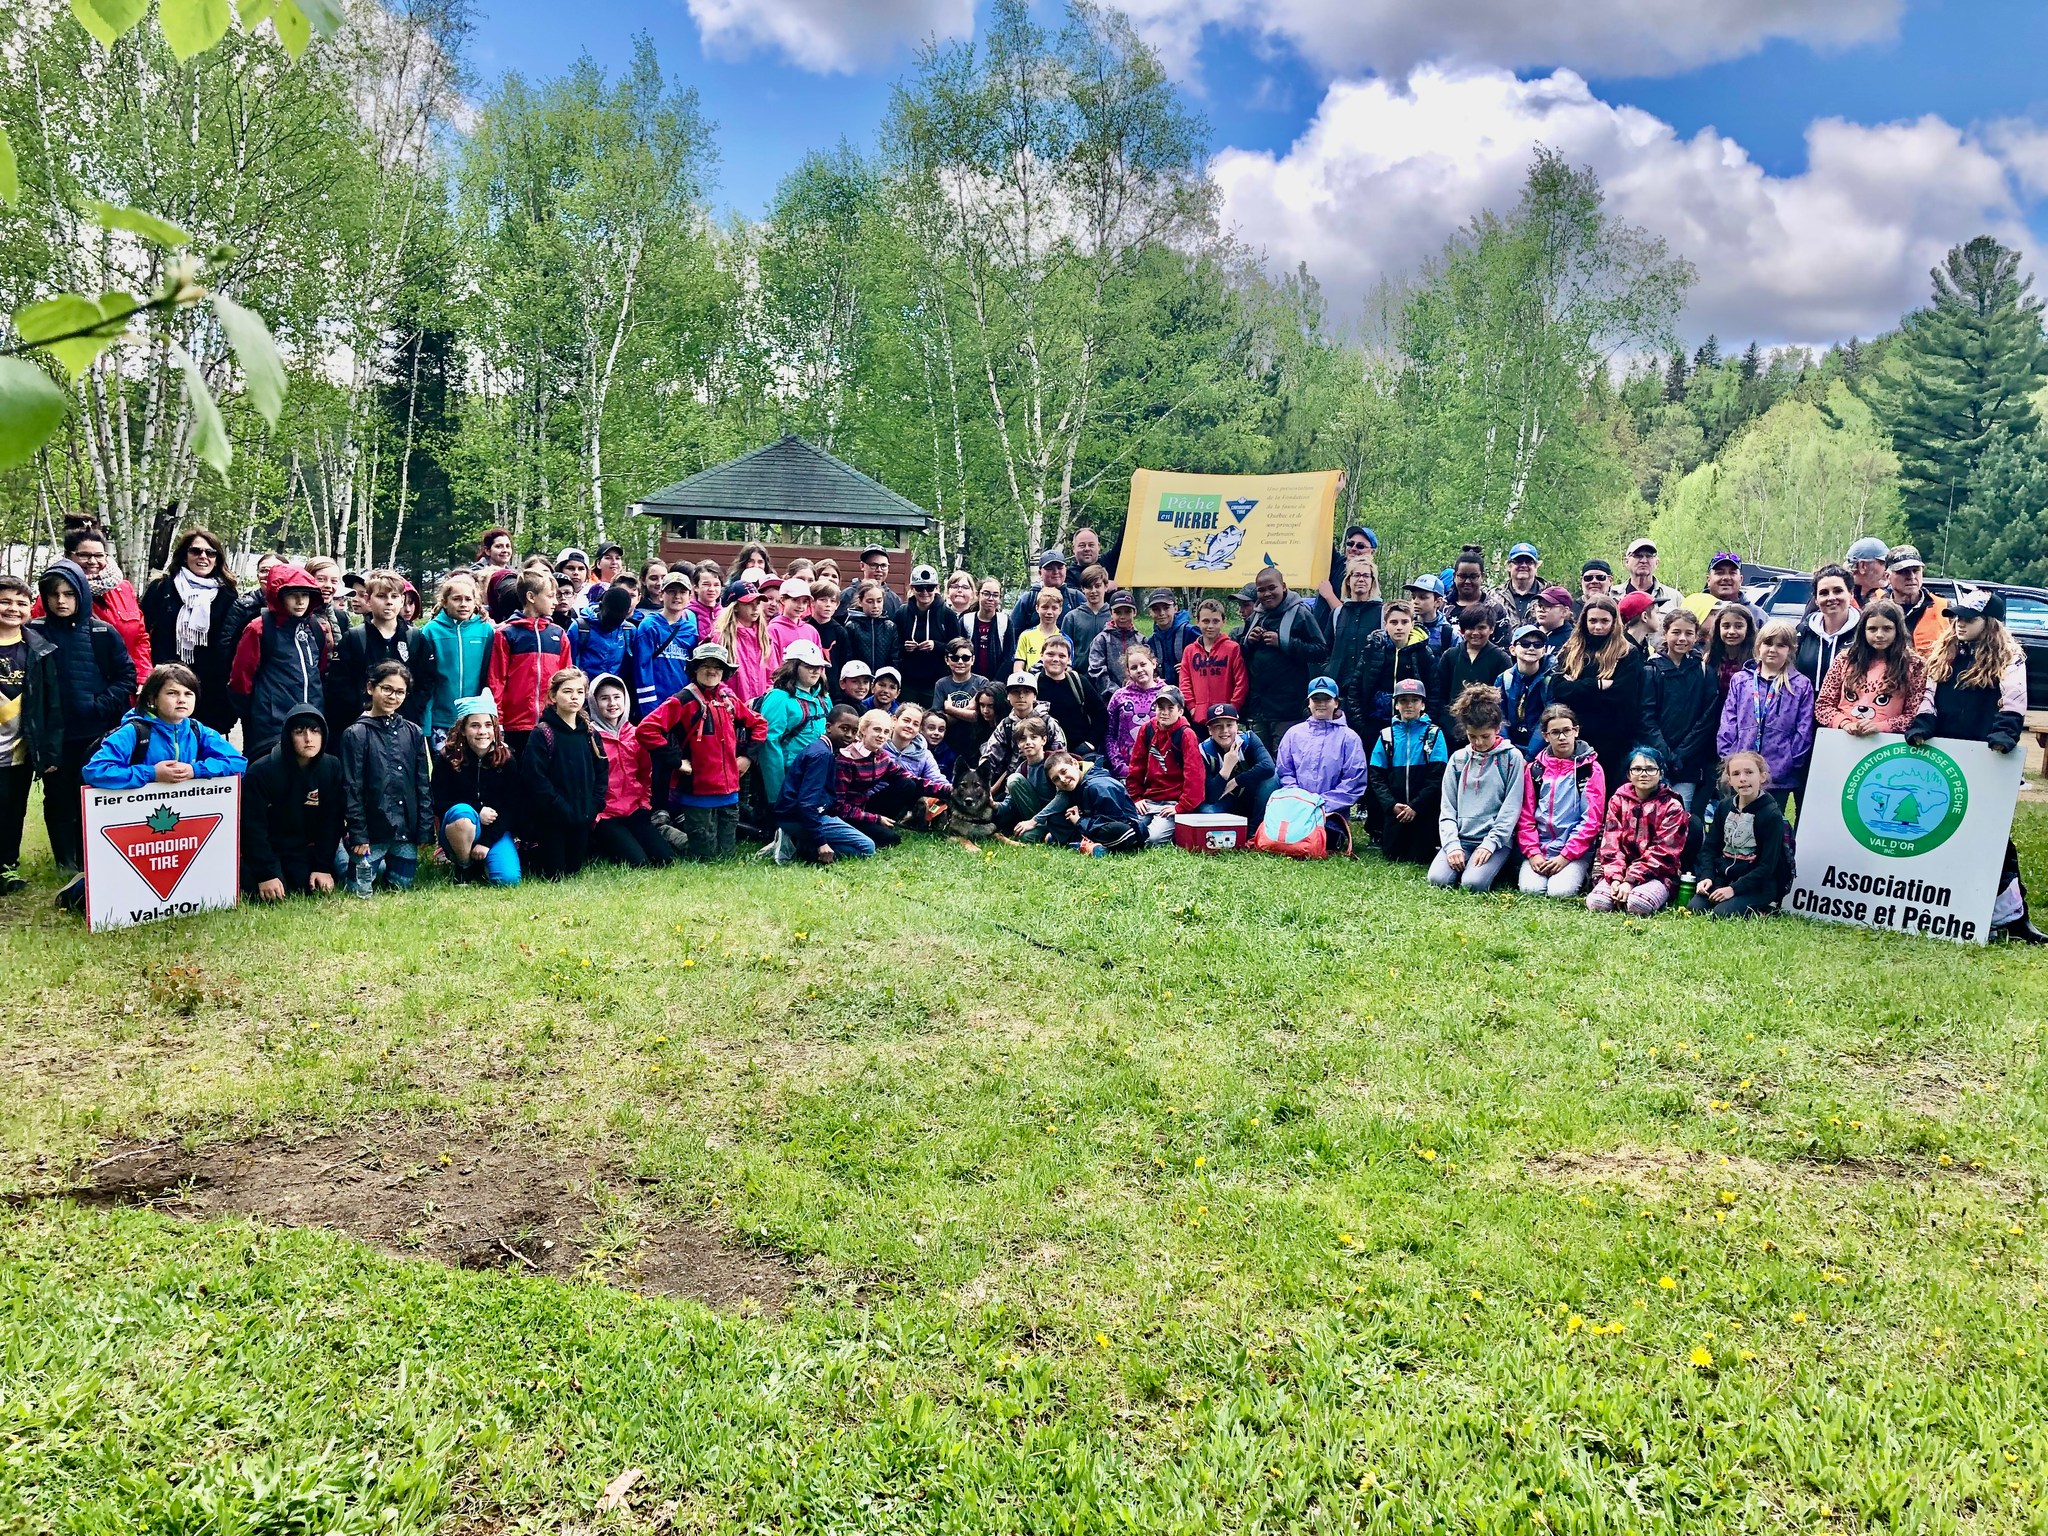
515,304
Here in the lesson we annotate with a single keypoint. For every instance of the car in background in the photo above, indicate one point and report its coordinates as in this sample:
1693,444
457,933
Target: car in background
1784,594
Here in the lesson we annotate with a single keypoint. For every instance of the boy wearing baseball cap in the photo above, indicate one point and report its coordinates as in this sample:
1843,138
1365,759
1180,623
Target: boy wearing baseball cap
1406,774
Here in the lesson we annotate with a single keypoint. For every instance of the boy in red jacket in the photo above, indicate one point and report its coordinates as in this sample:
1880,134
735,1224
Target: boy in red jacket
705,737
1166,775
1212,669
526,654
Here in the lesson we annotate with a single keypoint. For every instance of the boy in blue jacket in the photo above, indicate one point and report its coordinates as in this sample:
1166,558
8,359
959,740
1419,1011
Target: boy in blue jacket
1240,773
662,642
159,742
1092,811
806,827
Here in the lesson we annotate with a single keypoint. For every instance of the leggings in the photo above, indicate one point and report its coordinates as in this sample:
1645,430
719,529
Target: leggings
561,850
501,859
1734,906
1643,899
631,841
1473,877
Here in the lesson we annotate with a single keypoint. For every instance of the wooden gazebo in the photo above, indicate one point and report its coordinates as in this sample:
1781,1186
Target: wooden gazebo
790,484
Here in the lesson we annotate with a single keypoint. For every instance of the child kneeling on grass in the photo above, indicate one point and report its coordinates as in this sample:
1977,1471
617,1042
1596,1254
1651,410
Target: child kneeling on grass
384,767
477,795
292,813
1743,871
624,833
1642,840
806,825
874,792
159,742
1027,791
703,741
1482,796
566,775
1167,776
1091,810
1564,795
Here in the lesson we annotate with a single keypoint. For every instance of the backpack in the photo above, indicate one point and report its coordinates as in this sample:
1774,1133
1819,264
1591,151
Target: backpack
1296,824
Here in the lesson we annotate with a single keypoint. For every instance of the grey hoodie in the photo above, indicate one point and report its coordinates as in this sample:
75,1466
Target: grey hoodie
1482,797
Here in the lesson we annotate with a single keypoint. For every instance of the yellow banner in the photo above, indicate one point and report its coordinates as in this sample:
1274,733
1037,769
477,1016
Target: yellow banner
1220,530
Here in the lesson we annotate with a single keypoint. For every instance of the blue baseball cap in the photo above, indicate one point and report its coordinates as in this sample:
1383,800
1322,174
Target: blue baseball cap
1520,550
1372,540
1324,684
1427,582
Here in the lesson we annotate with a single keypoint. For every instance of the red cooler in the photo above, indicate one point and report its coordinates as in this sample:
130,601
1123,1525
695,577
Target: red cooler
1210,832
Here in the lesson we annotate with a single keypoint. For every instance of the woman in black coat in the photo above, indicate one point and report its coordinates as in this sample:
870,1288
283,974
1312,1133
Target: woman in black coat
189,614
1599,673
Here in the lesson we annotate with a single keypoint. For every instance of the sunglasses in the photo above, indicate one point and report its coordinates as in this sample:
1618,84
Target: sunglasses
201,549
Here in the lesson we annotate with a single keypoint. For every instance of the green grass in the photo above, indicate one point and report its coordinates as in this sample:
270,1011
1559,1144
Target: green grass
1143,1194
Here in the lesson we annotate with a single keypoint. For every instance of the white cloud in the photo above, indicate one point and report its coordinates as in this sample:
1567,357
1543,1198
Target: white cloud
2023,146
829,36
1616,37
1386,172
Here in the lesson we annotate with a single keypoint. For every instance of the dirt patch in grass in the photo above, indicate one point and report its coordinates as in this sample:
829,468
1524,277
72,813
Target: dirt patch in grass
457,1197
1652,1174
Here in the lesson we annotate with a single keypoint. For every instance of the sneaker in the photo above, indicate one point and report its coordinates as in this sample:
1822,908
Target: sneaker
72,897
785,848
1093,849
11,884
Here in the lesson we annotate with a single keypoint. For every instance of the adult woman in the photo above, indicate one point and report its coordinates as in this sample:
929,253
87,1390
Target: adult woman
188,612
1357,620
1825,631
1599,674
113,599
493,552
1879,682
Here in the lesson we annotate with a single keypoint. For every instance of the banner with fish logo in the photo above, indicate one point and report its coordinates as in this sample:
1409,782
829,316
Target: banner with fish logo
1221,530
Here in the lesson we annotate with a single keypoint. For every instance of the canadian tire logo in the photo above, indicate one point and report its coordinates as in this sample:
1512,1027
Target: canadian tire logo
162,848
1902,801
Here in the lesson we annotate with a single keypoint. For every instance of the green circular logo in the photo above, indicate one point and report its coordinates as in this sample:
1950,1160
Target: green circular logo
1901,801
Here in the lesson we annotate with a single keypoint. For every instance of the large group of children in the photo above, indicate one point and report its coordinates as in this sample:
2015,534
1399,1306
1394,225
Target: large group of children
1624,745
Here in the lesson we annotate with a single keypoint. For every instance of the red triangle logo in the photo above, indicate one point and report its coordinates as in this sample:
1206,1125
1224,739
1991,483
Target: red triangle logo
162,848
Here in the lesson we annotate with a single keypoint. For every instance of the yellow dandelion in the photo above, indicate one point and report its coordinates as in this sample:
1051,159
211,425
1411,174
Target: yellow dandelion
1574,1323
1700,1357
1102,1339
1427,1154
1201,1162
688,963
1944,1161
1666,1283
2015,1230
1727,1197
1798,1317
1477,1295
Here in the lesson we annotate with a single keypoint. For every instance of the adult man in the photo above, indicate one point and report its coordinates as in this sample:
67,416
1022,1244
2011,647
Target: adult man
1641,559
874,566
1724,585
1523,588
1052,572
1596,579
1359,543
1867,574
1926,614
1087,548
1285,645
925,626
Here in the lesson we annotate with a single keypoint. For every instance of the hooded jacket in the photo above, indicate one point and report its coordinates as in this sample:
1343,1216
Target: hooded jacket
1367,694
706,730
792,721
565,773
93,669
1278,675
1818,649
661,659
1129,708
1994,716
42,702
1482,797
1170,645
289,810
630,785
119,608
1352,628
478,784
602,642
1167,765
1074,705
990,639
936,624
806,798
162,741
1107,814
525,654
1776,721
1523,698
1610,718
454,657
1642,839
384,768
785,632
1324,757
1680,715
1745,849
1563,802
1847,695
1213,675
281,662
1106,652
874,641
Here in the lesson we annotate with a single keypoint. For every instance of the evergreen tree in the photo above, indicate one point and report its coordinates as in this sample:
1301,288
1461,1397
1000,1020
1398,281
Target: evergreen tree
2002,534
1969,362
1709,354
1752,363
1674,379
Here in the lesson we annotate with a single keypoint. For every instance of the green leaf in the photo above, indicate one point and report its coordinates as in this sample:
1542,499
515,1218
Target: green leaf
327,16
257,353
153,229
209,436
192,26
253,13
10,179
106,318
108,20
32,407
292,30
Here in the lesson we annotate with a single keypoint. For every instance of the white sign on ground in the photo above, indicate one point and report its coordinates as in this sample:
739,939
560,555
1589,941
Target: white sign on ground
164,850
1908,839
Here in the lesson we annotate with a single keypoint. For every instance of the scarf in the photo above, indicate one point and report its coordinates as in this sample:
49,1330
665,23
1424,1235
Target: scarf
195,619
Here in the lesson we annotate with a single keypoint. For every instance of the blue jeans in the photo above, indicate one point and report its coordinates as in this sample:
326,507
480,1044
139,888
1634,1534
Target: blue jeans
844,839
501,859
395,863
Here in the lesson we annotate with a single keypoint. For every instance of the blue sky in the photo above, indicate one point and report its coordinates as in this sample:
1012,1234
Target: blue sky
1313,145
